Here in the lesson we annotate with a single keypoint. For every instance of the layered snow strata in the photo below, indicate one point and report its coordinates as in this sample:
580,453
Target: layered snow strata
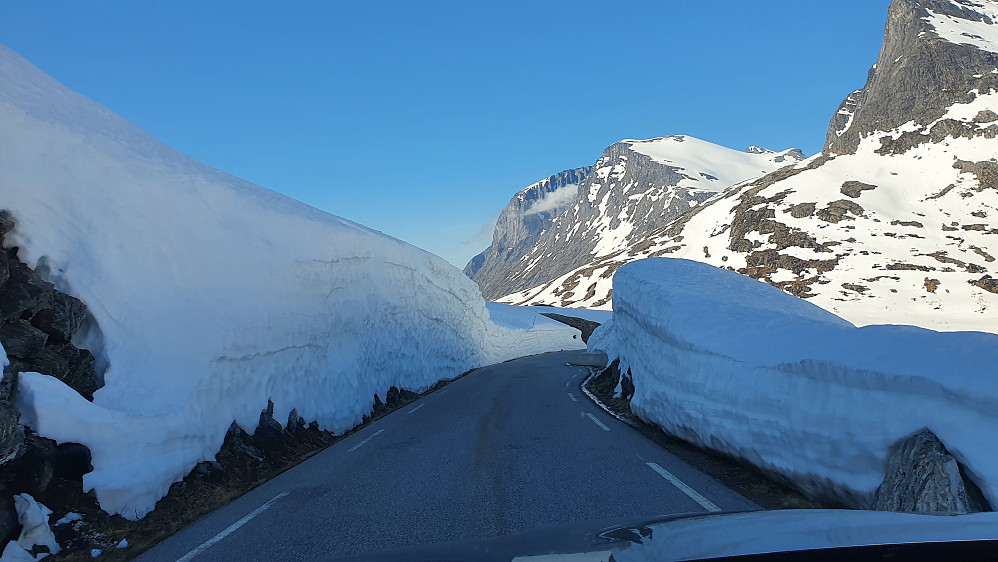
736,365
209,296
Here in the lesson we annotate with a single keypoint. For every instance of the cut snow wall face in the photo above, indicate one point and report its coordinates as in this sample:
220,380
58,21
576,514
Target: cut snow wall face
735,365
214,295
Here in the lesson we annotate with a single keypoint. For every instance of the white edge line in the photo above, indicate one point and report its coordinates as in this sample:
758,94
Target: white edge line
597,422
230,529
572,396
417,407
707,504
364,442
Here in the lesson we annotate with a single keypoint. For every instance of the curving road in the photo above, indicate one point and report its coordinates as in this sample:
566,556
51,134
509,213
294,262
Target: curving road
506,449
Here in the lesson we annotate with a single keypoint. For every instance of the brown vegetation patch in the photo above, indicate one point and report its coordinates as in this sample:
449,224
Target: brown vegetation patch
941,257
801,210
854,188
988,283
931,285
986,172
945,128
840,210
980,251
944,191
908,267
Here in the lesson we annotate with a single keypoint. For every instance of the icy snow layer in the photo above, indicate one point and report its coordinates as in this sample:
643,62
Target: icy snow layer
736,365
741,534
913,242
210,295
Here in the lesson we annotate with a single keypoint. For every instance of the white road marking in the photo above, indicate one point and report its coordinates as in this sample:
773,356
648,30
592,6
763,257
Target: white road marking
230,529
572,396
364,442
417,407
707,504
597,422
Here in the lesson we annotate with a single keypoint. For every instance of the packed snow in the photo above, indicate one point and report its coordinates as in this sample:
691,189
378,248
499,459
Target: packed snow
736,365
699,157
209,296
33,518
761,532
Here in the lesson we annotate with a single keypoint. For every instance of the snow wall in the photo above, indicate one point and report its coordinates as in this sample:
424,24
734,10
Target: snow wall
209,296
738,366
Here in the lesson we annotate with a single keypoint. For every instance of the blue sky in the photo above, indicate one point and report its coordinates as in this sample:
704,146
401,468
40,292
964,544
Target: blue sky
422,119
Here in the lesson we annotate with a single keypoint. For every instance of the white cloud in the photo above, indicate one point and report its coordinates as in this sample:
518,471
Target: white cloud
554,200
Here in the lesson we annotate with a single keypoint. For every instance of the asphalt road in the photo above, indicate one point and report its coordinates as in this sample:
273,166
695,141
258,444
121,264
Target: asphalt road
504,450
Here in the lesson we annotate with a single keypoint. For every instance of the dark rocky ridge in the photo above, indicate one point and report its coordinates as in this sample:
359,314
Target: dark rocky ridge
517,230
917,76
619,177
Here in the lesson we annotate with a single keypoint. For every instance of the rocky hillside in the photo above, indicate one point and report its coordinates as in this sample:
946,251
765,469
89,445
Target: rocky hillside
896,221
634,188
520,224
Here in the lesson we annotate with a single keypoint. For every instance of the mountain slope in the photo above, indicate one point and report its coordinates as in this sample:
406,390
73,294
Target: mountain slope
635,187
520,224
896,221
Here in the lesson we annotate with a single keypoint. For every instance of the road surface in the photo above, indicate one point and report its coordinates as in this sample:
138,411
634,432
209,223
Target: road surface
504,450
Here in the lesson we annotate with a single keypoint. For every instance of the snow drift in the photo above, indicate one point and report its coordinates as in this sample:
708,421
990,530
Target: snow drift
739,366
209,295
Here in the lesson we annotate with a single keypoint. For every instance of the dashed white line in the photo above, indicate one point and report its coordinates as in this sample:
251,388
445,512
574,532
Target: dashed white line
364,442
597,422
417,407
707,504
230,529
572,396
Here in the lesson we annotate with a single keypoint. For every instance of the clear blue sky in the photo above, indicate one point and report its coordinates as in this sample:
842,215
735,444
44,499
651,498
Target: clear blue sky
422,119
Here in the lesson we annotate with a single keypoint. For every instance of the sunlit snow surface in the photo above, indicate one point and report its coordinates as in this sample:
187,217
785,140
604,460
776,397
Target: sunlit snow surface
982,34
739,366
211,295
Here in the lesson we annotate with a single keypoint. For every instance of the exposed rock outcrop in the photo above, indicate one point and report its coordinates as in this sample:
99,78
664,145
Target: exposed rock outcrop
635,187
923,477
528,214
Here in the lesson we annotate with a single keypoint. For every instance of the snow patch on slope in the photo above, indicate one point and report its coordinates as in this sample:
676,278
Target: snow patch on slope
982,34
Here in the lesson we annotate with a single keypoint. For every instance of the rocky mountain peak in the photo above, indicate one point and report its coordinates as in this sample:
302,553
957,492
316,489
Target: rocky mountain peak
936,53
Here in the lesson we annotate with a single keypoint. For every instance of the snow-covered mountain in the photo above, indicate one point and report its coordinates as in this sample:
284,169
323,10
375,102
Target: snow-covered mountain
896,221
521,223
635,187
208,296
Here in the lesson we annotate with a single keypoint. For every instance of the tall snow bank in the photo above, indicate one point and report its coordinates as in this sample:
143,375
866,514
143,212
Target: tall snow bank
209,295
738,366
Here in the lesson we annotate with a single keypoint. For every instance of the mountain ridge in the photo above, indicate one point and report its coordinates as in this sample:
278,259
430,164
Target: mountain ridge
894,221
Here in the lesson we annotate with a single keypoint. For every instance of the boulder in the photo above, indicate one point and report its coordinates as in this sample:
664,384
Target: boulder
923,477
21,339
58,315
